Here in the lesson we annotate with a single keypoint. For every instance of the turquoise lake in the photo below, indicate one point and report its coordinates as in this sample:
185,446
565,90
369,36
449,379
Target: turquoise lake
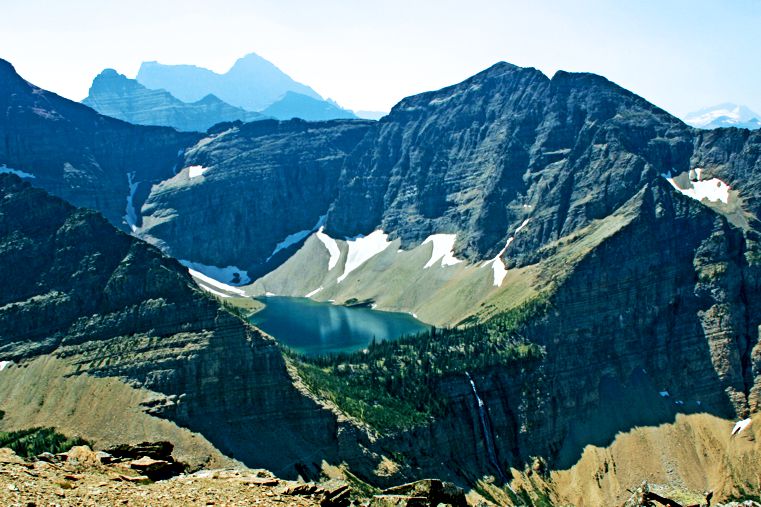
314,328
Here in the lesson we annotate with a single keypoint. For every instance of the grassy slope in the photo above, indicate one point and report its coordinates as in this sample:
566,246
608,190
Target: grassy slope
105,411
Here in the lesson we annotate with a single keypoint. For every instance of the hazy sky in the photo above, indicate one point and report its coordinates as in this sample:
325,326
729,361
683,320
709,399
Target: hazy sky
682,55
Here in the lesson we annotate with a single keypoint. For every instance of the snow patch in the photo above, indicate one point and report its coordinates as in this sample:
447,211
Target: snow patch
294,238
522,226
497,264
318,289
332,247
741,425
130,215
196,170
268,294
223,276
712,189
362,249
443,248
215,292
5,169
3,364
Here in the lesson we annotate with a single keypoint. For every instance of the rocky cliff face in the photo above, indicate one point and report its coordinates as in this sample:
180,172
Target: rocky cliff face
77,154
654,319
109,305
478,158
115,95
287,173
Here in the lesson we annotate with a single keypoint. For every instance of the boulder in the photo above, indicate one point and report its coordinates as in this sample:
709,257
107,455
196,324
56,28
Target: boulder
7,455
157,450
433,491
400,501
82,455
336,497
156,469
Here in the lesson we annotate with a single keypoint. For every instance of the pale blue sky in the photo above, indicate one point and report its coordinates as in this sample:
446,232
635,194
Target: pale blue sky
682,55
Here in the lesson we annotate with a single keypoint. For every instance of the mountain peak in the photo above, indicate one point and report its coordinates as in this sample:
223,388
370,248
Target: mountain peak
250,59
6,67
8,75
252,83
110,74
727,114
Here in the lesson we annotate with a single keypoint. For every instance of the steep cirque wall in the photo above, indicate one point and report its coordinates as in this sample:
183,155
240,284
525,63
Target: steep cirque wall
77,154
475,159
261,182
108,305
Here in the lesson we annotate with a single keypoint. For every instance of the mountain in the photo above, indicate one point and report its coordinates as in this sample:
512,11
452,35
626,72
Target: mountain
475,159
474,204
116,325
296,105
90,160
115,95
252,83
371,115
724,115
601,258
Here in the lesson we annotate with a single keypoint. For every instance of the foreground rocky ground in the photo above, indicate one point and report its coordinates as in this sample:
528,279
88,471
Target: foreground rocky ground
83,477
86,482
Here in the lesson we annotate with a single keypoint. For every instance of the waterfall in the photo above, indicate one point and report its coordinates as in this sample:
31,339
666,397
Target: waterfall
487,431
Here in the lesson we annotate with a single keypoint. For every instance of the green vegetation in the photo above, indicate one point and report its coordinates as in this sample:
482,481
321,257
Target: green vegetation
242,307
31,442
394,385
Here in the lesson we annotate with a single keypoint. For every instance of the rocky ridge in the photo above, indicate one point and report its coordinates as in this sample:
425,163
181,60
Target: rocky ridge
71,151
107,305
115,95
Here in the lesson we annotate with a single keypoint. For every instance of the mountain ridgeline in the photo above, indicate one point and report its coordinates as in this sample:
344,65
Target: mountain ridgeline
191,98
601,257
115,95
81,298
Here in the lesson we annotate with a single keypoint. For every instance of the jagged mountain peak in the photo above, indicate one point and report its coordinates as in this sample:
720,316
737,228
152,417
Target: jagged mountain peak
481,86
252,62
116,95
9,78
252,83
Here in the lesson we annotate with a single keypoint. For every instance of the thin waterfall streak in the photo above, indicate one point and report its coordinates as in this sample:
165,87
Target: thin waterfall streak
487,431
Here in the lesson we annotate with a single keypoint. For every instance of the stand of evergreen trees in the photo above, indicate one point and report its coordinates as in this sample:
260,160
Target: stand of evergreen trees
393,385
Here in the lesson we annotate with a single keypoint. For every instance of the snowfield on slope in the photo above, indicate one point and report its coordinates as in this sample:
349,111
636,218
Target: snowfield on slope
363,248
443,248
497,264
225,276
713,189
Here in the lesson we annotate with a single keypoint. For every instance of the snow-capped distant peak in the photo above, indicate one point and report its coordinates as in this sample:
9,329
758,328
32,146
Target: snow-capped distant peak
724,115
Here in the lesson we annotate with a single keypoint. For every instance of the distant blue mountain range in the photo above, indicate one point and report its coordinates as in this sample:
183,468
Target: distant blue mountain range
193,98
